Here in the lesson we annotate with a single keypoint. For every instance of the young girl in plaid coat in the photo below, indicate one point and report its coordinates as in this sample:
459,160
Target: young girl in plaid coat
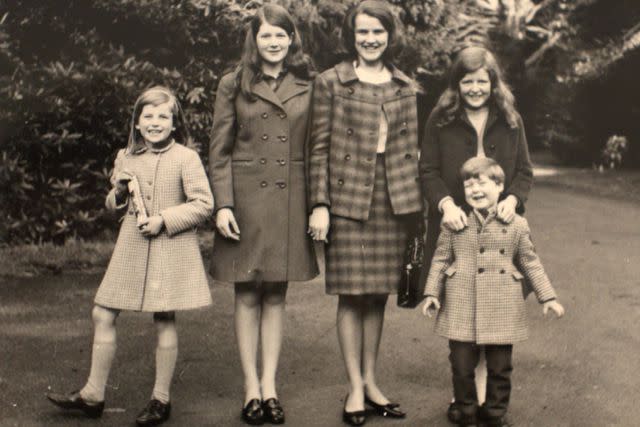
156,264
475,284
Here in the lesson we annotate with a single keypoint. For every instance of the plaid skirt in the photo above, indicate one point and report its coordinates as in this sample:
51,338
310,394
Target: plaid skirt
365,257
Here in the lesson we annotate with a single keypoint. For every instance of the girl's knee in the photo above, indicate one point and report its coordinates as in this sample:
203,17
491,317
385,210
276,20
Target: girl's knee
103,316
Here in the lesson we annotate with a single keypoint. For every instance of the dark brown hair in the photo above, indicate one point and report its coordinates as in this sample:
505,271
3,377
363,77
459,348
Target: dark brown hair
469,60
382,12
476,166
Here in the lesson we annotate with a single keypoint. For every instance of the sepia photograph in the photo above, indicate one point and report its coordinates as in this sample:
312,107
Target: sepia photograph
320,213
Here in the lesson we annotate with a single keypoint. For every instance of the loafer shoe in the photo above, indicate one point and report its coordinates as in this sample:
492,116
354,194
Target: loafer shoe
253,413
73,401
355,418
454,414
390,410
155,413
273,411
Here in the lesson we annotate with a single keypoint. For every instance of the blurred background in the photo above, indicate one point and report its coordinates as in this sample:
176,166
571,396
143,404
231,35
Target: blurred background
71,70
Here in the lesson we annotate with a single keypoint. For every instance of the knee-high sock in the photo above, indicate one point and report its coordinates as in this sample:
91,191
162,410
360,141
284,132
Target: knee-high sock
165,365
102,355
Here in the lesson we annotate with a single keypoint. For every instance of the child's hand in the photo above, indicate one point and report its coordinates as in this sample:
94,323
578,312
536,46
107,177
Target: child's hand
507,209
151,226
554,306
319,222
453,216
227,225
122,181
431,306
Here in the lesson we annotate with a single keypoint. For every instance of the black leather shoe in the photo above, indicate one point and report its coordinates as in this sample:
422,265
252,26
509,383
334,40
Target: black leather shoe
154,414
487,420
252,413
73,401
273,411
355,418
391,410
454,414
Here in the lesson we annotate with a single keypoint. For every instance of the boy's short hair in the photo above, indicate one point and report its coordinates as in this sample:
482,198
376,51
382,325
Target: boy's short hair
477,166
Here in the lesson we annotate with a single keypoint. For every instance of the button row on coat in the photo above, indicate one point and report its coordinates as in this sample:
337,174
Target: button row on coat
366,184
482,270
282,138
279,184
501,251
281,162
281,115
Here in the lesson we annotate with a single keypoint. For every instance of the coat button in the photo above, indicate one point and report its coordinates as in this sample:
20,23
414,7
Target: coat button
263,184
340,182
502,251
480,270
349,131
282,162
265,137
282,138
408,156
369,159
481,250
403,131
399,92
148,197
150,182
282,115
350,90
367,184
265,115
282,185
504,231
404,124
492,146
502,271
263,161
347,157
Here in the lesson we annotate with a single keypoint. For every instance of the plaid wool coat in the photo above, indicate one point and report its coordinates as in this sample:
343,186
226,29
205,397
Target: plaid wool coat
162,273
474,276
344,135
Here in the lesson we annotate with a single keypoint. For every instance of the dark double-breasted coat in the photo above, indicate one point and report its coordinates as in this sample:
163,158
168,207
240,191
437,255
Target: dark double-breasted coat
342,159
257,168
444,148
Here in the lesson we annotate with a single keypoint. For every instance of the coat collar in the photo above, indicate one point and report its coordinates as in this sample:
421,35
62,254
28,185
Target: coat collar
290,87
140,147
491,118
347,74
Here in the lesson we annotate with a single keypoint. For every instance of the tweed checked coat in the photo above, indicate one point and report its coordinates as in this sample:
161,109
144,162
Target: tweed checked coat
445,148
474,276
165,272
257,168
342,159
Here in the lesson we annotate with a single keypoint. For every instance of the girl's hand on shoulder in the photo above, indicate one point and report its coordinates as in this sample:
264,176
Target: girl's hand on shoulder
453,216
319,224
227,225
151,226
554,306
431,306
507,209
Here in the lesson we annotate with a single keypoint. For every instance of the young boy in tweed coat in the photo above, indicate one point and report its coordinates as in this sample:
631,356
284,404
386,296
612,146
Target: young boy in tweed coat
476,289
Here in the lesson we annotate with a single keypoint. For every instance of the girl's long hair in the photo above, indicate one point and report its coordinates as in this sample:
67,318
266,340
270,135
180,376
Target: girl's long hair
382,12
155,96
296,61
469,60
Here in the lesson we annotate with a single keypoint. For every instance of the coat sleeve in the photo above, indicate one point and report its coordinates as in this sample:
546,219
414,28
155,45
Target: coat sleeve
429,165
319,142
223,136
112,202
441,261
198,204
523,178
530,264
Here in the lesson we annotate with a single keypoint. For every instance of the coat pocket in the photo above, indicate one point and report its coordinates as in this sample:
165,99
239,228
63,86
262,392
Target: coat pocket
449,272
517,275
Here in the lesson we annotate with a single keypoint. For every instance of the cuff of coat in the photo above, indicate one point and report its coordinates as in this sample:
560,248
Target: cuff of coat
172,222
548,300
115,202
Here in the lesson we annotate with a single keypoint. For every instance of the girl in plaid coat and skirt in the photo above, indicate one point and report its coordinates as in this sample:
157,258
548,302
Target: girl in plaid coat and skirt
156,264
363,169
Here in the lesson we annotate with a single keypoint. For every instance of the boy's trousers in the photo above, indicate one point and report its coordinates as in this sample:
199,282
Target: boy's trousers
464,358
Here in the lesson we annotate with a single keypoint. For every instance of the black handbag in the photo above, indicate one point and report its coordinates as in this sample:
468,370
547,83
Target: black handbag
411,288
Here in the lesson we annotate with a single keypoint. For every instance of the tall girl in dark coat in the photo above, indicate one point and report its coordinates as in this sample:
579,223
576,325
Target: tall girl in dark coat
258,179
363,168
475,116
